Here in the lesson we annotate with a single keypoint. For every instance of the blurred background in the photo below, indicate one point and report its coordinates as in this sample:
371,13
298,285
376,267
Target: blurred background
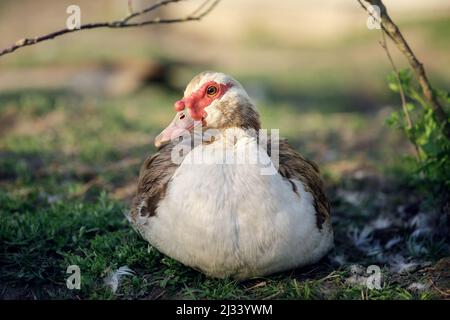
78,115
313,67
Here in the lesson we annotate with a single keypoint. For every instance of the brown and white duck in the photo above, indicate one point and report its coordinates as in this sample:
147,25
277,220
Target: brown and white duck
229,218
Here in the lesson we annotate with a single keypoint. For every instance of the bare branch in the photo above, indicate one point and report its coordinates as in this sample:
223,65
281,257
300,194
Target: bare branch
401,91
390,29
202,10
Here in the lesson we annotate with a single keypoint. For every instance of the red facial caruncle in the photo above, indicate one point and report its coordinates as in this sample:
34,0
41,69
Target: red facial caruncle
202,98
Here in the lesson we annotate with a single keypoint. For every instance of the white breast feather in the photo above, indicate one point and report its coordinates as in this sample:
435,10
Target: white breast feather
229,220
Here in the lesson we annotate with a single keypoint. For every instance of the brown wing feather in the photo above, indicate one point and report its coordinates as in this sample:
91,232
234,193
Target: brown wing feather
155,175
293,166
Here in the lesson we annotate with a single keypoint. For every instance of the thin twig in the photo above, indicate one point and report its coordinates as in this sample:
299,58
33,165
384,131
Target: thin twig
383,44
201,12
392,30
397,76
200,8
153,7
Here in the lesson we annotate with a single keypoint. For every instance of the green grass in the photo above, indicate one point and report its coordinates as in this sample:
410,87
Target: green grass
41,240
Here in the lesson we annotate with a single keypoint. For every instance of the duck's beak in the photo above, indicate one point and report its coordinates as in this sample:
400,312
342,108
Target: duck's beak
180,125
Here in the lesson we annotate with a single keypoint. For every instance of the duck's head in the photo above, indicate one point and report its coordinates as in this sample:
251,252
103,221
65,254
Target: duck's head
216,101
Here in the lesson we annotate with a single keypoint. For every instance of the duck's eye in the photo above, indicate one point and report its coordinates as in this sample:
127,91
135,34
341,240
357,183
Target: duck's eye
211,90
